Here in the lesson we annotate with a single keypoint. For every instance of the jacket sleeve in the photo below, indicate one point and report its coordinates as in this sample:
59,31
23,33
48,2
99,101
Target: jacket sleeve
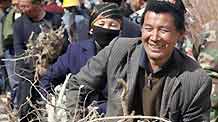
199,108
88,79
56,72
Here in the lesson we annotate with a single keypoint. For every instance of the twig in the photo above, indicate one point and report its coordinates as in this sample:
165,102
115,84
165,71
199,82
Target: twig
124,99
129,117
37,110
77,105
31,113
61,94
89,114
84,103
21,58
34,87
42,96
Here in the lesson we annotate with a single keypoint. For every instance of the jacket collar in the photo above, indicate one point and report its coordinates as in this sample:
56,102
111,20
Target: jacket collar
171,83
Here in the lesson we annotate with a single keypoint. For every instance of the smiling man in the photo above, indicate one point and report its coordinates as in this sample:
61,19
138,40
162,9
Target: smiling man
161,80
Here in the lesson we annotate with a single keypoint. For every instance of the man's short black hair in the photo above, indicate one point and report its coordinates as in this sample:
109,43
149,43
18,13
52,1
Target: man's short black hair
37,1
114,1
167,7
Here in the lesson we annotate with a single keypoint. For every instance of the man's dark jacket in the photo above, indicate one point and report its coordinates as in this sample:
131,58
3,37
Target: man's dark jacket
186,92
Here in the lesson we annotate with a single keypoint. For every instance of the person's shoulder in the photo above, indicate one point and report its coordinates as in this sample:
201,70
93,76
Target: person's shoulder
198,75
189,68
123,44
130,29
23,19
185,62
11,10
129,24
127,40
192,74
82,44
53,16
137,16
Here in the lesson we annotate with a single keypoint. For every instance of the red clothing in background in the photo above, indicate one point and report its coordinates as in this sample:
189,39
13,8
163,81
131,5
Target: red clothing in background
54,8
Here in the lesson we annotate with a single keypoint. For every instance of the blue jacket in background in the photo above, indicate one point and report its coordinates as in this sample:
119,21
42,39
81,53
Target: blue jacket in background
71,61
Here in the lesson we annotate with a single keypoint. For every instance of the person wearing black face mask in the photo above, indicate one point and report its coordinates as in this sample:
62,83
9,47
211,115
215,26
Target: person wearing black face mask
104,36
105,24
107,21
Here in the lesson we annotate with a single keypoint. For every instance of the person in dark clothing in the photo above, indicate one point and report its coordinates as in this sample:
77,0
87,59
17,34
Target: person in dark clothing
76,19
52,6
30,21
34,19
4,10
11,13
104,27
126,23
160,80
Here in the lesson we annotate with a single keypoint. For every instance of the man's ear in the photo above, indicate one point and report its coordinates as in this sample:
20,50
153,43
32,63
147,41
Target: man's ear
172,1
181,35
142,2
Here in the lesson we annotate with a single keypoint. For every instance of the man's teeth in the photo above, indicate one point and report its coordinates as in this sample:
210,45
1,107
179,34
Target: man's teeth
157,46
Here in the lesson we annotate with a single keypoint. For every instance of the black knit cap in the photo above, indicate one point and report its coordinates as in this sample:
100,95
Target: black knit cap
107,10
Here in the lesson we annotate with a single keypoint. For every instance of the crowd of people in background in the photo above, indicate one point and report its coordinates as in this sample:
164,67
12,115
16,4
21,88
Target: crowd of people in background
105,40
